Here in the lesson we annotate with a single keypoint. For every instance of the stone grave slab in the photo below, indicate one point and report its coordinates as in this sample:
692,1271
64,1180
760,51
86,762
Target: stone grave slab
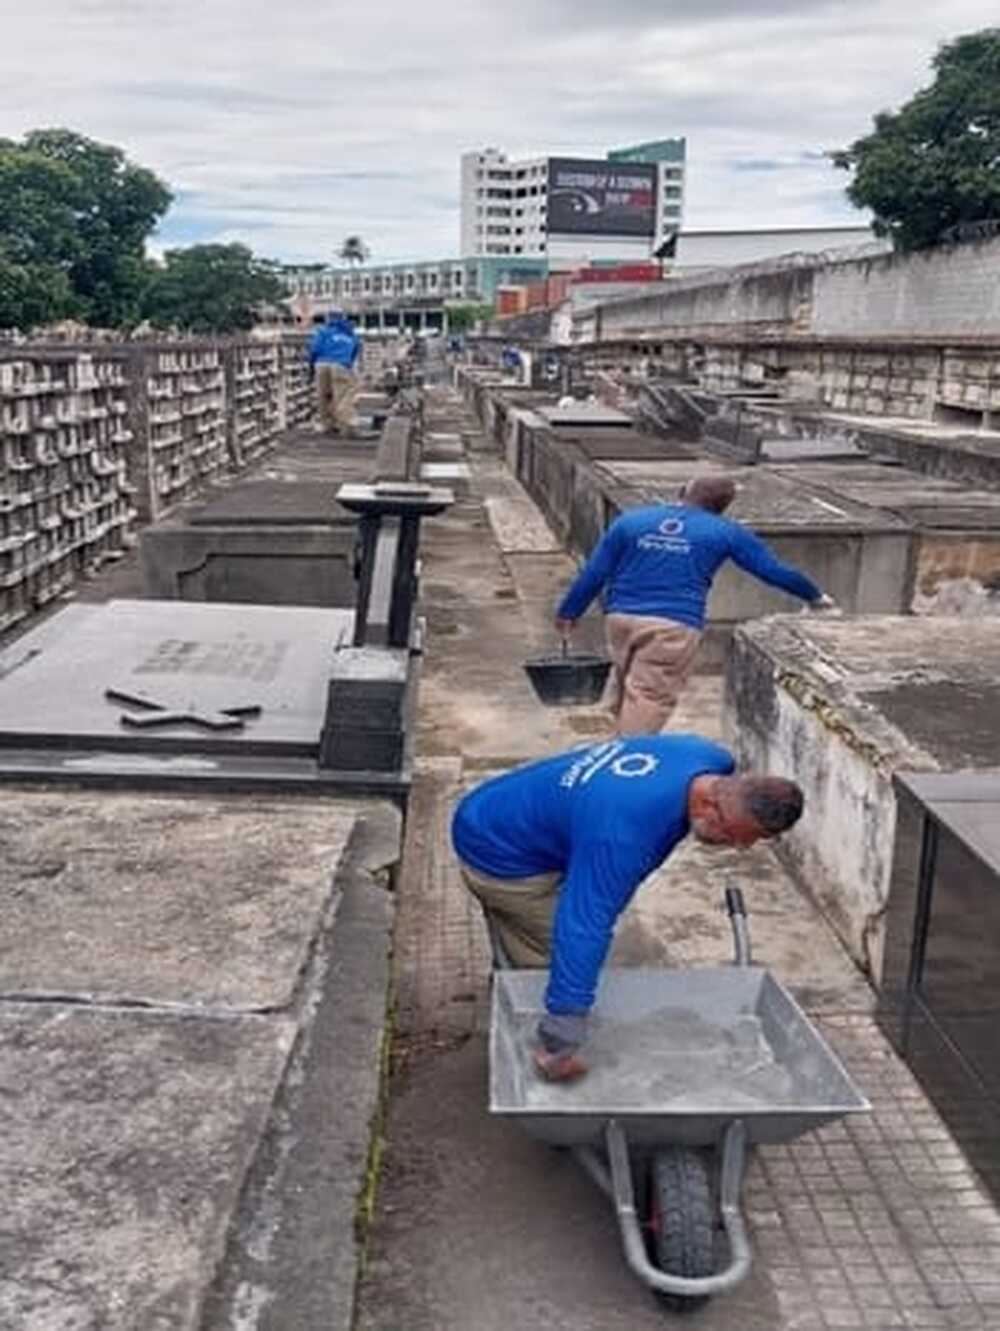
273,502
810,450
202,903
126,1141
610,444
177,690
589,414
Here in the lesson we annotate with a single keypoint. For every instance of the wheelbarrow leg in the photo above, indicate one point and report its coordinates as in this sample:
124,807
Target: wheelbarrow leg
733,1161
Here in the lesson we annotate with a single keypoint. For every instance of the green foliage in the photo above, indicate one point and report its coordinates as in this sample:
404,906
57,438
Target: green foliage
34,293
935,163
463,317
211,289
74,219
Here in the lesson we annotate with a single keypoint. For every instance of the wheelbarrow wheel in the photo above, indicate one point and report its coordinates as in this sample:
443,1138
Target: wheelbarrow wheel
682,1220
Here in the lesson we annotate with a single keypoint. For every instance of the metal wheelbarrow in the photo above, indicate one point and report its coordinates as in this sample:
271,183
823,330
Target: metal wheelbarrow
688,1070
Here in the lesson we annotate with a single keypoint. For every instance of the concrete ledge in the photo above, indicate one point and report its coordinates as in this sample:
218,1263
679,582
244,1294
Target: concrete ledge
193,1092
259,563
841,705
297,1245
397,455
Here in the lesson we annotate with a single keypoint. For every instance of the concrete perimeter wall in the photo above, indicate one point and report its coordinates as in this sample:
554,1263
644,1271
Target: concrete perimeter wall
946,290
951,290
97,437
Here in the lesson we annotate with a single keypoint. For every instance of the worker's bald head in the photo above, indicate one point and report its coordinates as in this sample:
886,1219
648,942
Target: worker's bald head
714,493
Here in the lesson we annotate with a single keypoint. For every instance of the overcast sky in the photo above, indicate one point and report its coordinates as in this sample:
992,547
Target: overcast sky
291,125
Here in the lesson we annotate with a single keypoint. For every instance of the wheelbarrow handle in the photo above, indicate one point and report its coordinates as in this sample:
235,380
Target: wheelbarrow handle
735,904
737,910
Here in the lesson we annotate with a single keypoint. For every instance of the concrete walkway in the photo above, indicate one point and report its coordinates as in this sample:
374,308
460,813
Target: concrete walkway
874,1223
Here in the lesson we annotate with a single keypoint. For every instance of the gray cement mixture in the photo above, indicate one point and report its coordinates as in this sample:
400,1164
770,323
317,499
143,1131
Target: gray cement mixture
672,1059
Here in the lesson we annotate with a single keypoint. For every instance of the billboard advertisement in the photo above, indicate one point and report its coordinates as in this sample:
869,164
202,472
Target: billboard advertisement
595,198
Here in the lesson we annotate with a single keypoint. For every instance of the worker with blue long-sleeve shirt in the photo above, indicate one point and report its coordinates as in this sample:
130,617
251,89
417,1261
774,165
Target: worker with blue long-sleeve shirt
334,351
555,851
656,567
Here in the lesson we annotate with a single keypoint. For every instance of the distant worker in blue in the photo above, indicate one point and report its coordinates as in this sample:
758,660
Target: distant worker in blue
333,356
510,358
556,850
656,566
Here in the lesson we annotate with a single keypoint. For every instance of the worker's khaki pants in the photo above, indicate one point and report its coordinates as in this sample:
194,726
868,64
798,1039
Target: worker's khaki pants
336,390
522,911
652,659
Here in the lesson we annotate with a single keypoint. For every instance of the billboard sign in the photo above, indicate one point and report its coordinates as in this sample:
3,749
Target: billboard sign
596,198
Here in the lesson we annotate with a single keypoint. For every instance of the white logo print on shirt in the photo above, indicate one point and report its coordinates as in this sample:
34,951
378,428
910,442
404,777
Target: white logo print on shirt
609,754
635,764
669,537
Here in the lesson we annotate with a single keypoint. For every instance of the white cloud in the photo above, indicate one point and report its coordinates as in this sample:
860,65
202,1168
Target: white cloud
290,126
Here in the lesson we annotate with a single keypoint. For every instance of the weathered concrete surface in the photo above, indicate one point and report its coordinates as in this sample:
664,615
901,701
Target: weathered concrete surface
297,1243
844,704
126,1141
161,900
933,448
190,1111
956,531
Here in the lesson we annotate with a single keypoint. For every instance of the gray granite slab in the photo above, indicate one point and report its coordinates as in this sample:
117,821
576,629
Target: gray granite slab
186,656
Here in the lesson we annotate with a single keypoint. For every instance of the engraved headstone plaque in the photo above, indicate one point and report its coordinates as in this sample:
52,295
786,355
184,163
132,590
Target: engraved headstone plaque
229,678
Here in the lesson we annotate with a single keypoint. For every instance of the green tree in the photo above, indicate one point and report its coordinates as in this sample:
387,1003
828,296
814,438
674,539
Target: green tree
211,289
74,219
32,294
38,239
935,163
353,250
463,317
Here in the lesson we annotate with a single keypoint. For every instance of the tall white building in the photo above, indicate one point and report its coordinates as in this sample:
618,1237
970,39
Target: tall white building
503,205
572,212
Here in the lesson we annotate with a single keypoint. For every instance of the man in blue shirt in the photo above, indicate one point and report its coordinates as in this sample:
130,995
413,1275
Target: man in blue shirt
555,851
656,566
333,354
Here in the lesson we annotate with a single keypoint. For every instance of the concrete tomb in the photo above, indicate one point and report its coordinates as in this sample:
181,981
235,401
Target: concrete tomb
165,692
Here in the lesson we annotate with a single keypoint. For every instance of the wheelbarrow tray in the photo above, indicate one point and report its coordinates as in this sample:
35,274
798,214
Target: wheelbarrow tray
675,1056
